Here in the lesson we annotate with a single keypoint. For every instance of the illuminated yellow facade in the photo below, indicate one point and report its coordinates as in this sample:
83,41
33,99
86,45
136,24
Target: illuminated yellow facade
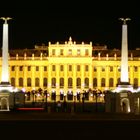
69,67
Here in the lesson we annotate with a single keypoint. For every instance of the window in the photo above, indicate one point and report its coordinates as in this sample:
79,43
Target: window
94,82
78,83
37,68
111,82
45,82
118,81
70,67
36,82
53,82
53,67
28,82
20,82
13,68
86,52
45,68
103,82
61,82
86,67
21,68
135,68
70,52
61,52
94,69
53,51
86,82
103,68
78,52
78,67
61,68
70,83
135,82
13,81
29,68
119,69
111,68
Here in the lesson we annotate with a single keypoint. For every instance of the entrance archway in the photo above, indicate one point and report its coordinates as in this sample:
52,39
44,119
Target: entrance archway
4,104
125,105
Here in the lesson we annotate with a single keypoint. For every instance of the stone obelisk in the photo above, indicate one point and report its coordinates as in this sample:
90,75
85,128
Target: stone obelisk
5,67
124,54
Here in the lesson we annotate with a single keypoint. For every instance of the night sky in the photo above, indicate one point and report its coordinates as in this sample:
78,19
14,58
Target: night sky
38,23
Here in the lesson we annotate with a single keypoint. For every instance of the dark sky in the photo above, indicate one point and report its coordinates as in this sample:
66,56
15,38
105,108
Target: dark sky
40,22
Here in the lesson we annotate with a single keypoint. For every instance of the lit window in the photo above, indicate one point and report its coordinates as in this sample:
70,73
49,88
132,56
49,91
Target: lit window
94,69
37,68
37,82
78,52
70,52
13,68
78,67
70,67
135,68
103,69
86,52
45,82
61,68
29,68
111,68
61,51
53,51
21,68
86,67
53,67
45,68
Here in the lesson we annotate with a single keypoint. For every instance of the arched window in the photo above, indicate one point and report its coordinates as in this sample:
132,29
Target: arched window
45,82
86,83
20,82
78,83
36,82
135,82
28,82
94,82
61,82
13,81
53,82
111,82
103,82
118,81
69,82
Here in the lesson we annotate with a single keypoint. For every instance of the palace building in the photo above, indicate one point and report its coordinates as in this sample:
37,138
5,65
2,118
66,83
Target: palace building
70,67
